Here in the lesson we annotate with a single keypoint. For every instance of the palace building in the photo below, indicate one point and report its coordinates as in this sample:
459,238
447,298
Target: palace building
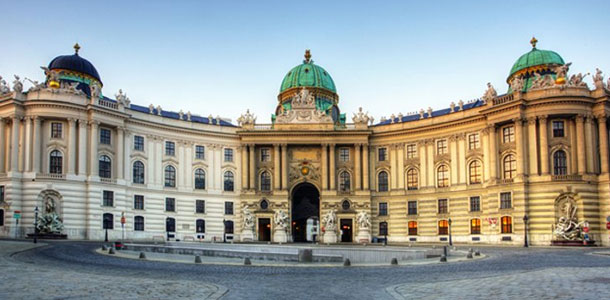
531,162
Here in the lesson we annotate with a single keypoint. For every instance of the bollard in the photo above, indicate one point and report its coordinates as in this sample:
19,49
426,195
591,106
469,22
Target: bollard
477,253
394,262
142,255
443,258
445,250
104,248
111,250
197,259
347,263
469,255
247,261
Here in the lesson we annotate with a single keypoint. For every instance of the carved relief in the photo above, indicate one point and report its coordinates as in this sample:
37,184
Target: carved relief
303,111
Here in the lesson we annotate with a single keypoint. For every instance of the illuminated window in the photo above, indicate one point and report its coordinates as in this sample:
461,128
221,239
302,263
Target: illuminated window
411,151
507,224
475,226
443,227
412,228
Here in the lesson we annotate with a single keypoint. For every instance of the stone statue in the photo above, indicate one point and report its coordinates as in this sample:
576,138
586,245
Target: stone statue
577,80
541,82
36,86
364,222
452,107
461,105
490,93
330,221
188,115
122,98
181,115
281,220
246,119
562,71
95,90
421,113
4,88
429,112
159,110
598,79
17,85
151,109
49,221
248,218
361,117
517,84
567,227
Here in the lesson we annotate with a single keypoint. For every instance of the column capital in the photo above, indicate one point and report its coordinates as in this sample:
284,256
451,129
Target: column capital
94,123
276,145
543,118
589,118
324,145
531,120
580,118
332,145
120,128
72,121
82,122
518,121
601,118
283,145
453,137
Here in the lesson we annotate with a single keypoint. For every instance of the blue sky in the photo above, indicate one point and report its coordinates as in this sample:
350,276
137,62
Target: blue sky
222,57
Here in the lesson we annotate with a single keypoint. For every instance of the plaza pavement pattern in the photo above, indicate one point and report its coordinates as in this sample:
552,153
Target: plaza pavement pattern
73,270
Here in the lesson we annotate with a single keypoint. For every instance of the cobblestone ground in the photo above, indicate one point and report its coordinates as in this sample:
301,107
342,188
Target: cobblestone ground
507,273
19,280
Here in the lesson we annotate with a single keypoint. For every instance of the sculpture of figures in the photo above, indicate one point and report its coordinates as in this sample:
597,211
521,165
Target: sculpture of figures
608,84
122,98
280,220
562,71
49,222
36,86
304,99
246,119
598,79
490,94
50,74
517,84
567,227
151,109
218,120
248,218
361,117
181,115
399,117
577,80
17,84
330,221
4,88
95,91
364,222
159,110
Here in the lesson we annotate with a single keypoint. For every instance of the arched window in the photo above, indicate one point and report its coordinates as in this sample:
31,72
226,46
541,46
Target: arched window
138,172
229,227
108,221
475,226
200,226
442,176
507,224
412,179
55,162
443,227
383,228
170,176
412,228
560,165
200,179
170,225
265,181
105,166
344,181
138,223
228,181
475,172
510,166
382,181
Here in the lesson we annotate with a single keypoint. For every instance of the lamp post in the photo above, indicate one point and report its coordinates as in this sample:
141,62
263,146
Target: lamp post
36,225
450,241
525,221
224,231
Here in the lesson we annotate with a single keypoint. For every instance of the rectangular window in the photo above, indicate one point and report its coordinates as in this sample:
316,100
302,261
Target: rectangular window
200,206
138,223
383,209
412,208
56,129
558,129
199,152
441,147
506,200
507,224
383,229
411,151
138,201
442,206
475,226
228,155
105,136
443,227
344,154
412,228
138,143
170,148
383,154
265,154
108,198
473,141
170,204
508,134
1,193
475,203
228,208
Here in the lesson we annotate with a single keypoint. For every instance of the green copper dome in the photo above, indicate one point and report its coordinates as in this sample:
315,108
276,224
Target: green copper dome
308,74
536,57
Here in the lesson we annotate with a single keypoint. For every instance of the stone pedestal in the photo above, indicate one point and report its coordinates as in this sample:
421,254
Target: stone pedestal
280,236
247,235
330,237
364,236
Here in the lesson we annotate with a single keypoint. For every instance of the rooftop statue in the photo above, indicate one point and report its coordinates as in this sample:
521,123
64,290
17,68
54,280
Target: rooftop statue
490,93
517,84
303,110
95,91
4,88
122,98
598,79
361,117
576,80
17,84
562,72
246,119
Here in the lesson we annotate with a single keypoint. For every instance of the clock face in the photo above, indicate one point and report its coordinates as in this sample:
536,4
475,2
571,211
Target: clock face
304,170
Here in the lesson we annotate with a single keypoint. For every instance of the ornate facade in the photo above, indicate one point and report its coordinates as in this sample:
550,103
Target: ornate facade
472,171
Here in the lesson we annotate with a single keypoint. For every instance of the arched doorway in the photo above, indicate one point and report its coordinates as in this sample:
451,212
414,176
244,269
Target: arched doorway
305,205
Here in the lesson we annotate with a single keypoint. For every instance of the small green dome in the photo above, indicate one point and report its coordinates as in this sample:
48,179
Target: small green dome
536,57
308,74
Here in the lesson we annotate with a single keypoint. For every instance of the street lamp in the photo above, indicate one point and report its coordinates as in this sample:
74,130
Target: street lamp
525,221
224,231
36,224
450,241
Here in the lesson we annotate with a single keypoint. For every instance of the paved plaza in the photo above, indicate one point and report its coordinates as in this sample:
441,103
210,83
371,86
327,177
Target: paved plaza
61,270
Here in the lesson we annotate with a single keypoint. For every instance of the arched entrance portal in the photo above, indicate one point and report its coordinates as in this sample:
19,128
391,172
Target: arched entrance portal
305,205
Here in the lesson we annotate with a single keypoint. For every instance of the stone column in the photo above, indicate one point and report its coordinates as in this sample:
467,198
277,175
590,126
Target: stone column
244,167
127,165
252,167
400,166
218,159
276,167
152,162
358,177
333,183
93,159
238,163
2,146
158,164
423,178
120,153
72,144
486,163
180,168
393,167
462,158
493,153
603,143
15,144
324,166
188,163
580,144
430,163
284,164
532,140
454,159
82,147
589,145
544,145
27,165
519,145
573,154
365,167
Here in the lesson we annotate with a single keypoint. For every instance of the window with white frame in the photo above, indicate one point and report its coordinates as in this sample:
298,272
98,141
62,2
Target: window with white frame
441,147
411,150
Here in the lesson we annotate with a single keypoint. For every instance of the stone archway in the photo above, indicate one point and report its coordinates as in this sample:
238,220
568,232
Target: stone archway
305,204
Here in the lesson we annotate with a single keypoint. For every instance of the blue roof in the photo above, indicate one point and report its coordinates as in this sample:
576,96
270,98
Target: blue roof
435,113
176,116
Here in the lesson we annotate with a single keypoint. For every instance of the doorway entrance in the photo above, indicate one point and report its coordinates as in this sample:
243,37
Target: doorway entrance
264,229
305,204
346,230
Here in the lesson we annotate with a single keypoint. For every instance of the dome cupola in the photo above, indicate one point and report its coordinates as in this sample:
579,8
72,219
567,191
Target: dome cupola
538,61
73,68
